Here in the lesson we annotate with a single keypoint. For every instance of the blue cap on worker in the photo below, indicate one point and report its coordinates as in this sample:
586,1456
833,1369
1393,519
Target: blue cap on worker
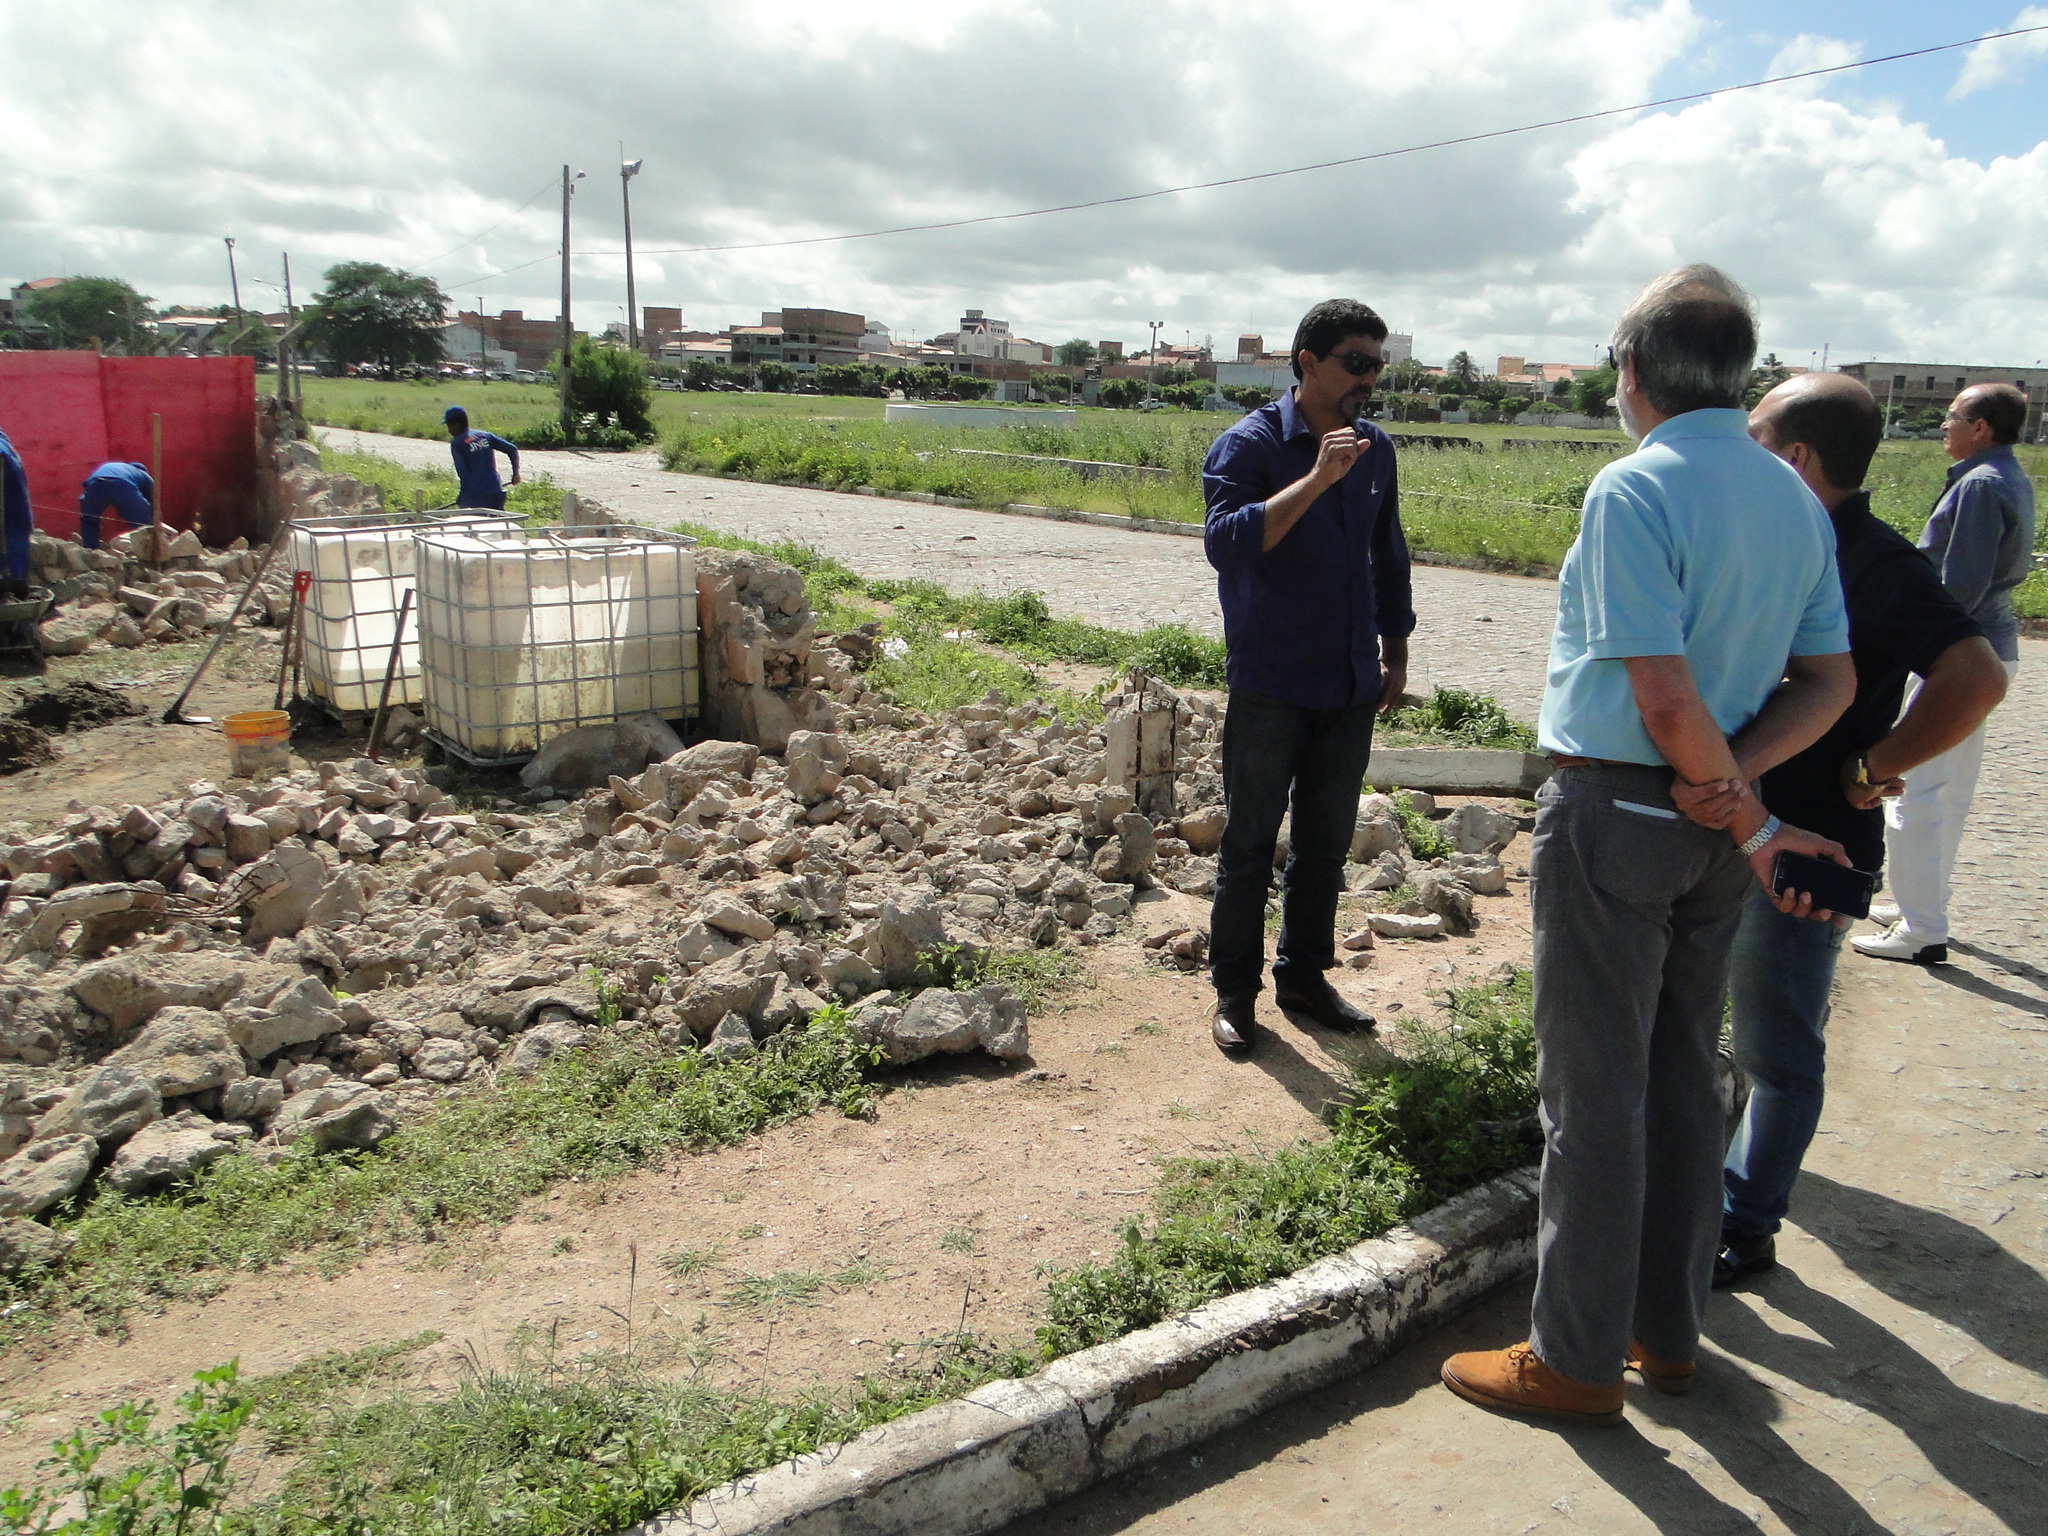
454,411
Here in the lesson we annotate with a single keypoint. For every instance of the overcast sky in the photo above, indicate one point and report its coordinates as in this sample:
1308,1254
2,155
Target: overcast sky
1900,210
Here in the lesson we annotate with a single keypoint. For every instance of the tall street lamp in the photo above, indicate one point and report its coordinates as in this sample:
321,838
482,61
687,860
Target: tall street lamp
1152,361
628,169
569,180
235,286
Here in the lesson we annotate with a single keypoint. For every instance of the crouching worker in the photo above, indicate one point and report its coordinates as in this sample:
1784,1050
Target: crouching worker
476,461
122,489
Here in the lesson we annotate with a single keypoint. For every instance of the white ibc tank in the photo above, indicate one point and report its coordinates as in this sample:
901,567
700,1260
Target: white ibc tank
529,635
361,568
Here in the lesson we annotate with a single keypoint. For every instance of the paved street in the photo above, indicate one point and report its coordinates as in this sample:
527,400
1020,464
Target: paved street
1890,1377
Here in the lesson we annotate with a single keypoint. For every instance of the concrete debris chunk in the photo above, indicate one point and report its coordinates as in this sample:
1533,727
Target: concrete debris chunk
45,1172
341,1114
30,1244
110,1105
589,756
1476,828
182,1050
170,1152
1400,925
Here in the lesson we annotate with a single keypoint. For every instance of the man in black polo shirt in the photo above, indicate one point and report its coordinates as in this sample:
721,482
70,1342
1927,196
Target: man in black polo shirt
1901,620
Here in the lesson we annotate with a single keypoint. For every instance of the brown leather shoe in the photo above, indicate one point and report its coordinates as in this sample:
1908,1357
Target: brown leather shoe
1671,1377
1513,1380
1235,1028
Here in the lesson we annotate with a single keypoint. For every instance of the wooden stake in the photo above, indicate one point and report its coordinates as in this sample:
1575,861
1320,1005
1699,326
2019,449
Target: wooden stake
390,673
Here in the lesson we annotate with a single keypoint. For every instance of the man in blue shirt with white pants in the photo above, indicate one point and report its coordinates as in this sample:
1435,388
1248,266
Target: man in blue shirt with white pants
1700,596
1304,529
476,462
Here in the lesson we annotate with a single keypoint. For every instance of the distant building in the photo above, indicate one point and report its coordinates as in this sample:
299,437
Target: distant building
531,343
658,322
1910,390
1399,348
982,336
805,339
1109,351
1249,346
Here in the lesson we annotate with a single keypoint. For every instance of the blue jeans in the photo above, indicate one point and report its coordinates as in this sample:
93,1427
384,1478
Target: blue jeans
1277,758
1778,987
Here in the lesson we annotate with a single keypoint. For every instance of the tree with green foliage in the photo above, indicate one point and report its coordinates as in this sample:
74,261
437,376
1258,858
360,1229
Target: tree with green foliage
1054,386
968,387
371,313
778,378
82,310
1250,396
1188,395
1450,402
1462,372
1592,391
703,373
867,379
1075,353
1121,394
1765,377
1513,405
1408,374
608,388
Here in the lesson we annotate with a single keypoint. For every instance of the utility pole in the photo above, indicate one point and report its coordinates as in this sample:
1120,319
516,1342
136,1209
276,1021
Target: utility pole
483,340
569,180
628,169
284,345
234,286
1152,361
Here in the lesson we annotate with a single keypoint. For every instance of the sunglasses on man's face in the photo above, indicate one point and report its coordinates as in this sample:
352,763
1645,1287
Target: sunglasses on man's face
1360,363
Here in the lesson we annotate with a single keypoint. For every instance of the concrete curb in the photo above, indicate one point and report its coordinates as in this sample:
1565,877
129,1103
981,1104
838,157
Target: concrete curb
1010,1447
1459,770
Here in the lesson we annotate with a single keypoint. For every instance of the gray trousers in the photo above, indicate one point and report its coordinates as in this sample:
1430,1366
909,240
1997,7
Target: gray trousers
1634,915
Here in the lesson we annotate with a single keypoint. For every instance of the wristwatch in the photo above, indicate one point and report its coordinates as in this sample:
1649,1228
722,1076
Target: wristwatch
1759,837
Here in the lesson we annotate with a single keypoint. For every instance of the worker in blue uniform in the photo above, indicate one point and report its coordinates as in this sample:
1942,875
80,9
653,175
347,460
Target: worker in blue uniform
476,461
19,517
122,489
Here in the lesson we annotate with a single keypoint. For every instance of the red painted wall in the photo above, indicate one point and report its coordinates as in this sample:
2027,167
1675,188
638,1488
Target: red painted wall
67,412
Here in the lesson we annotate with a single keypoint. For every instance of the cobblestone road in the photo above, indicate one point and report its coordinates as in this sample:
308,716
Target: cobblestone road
1890,1377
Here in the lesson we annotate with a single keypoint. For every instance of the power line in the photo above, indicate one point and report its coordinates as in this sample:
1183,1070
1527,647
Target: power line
472,240
1327,165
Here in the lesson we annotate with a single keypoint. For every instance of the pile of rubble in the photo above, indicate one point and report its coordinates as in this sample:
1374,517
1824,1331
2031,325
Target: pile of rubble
310,960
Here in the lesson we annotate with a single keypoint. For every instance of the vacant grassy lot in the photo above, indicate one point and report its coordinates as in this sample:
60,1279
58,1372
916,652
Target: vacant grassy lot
1509,508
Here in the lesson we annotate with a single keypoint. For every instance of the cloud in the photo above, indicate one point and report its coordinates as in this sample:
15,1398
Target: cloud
1993,63
389,132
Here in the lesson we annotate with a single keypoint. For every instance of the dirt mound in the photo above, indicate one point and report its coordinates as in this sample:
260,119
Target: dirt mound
75,706
22,747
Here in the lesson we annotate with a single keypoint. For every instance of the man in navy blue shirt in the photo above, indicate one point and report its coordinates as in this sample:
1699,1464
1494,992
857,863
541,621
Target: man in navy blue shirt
122,489
476,462
1304,530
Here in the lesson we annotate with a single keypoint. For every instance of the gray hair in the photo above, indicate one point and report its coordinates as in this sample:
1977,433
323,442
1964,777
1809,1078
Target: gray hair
1692,335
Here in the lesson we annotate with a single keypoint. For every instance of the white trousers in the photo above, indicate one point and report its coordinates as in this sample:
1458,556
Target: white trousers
1924,828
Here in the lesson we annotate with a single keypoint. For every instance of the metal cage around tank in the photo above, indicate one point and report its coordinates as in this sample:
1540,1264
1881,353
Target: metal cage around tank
362,565
534,632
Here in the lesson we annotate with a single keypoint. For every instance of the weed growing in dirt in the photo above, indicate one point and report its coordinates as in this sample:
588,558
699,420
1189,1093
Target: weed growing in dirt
785,1287
1411,1135
1423,836
590,1115
685,1262
1035,975
959,1240
1470,719
289,1406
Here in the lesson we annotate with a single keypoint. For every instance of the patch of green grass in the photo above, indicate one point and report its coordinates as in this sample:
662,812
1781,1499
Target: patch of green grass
1408,1137
289,1406
1467,718
1035,975
1424,838
860,1273
685,1262
582,1449
785,1287
959,1240
591,1116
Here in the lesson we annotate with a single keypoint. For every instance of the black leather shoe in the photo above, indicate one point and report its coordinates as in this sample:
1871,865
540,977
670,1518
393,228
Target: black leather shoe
1319,1001
1742,1255
1235,1027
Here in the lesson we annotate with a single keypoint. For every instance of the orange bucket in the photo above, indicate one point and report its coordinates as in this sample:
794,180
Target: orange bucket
259,742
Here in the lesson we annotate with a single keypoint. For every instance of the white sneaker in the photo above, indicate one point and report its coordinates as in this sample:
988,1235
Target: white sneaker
1897,944
1885,912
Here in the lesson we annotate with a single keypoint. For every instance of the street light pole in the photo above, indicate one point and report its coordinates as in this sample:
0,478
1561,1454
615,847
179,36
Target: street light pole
1152,361
483,340
569,180
628,169
234,286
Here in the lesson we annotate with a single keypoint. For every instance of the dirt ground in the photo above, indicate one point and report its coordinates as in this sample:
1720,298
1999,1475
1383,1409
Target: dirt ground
802,1257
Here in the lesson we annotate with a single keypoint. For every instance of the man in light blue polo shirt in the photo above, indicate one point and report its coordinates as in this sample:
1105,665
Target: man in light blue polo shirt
1700,597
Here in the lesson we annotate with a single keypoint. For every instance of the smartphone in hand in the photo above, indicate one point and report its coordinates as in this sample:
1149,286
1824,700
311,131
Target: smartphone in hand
1835,887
